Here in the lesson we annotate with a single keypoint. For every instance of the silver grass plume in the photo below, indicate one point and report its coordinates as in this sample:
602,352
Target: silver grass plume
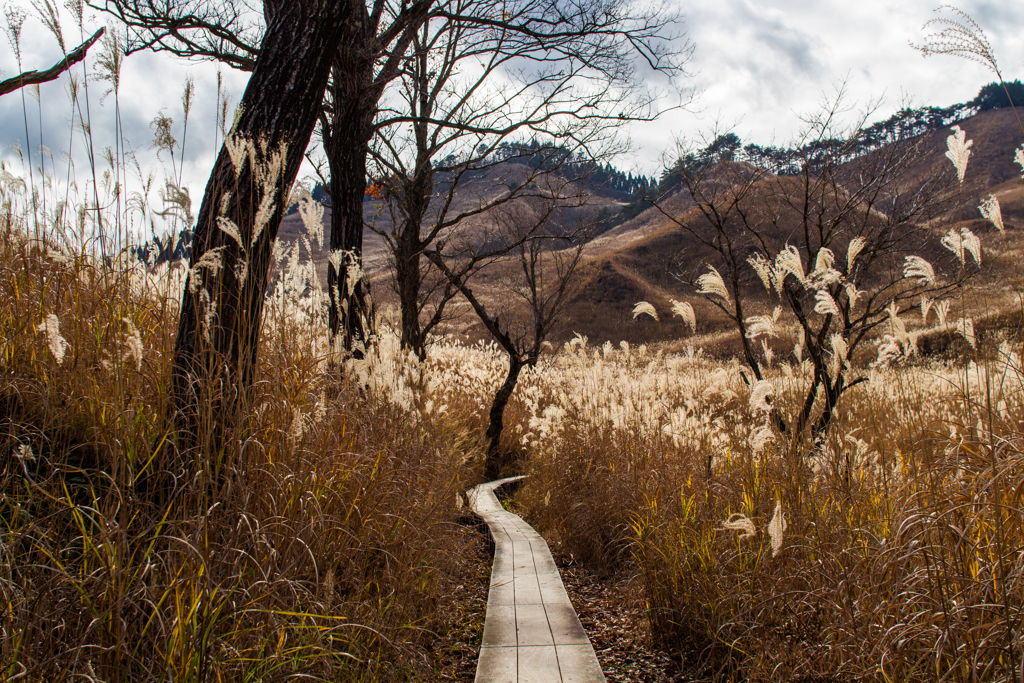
960,38
840,350
51,328
133,344
824,304
959,151
926,307
962,243
789,262
644,308
765,271
213,261
917,267
685,311
711,284
763,325
760,395
824,260
769,355
853,294
853,250
990,210
777,528
740,522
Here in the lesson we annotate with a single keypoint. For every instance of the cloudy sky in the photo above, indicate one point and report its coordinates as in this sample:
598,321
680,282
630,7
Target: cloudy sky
758,64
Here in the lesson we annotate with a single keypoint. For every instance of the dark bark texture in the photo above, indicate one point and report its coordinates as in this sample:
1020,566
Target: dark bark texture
347,145
54,72
496,423
241,212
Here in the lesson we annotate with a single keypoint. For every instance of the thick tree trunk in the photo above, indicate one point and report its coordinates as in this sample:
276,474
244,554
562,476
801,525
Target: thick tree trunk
351,313
218,332
494,462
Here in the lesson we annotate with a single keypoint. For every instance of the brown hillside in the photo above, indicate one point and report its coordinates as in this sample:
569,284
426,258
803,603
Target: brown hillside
650,257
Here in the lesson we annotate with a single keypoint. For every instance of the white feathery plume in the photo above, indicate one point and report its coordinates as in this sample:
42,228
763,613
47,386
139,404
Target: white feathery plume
852,293
238,148
839,346
824,303
228,227
896,325
25,454
1018,156
711,284
51,328
213,260
760,395
740,522
353,270
298,425
134,344
685,311
758,325
761,438
840,349
853,250
765,270
335,258
769,355
624,345
917,267
959,151
789,261
820,279
824,260
312,213
644,308
777,528
941,311
965,328
991,211
926,307
964,241
268,206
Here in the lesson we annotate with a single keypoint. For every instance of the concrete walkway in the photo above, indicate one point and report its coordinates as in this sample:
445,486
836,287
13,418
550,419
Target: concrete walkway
531,633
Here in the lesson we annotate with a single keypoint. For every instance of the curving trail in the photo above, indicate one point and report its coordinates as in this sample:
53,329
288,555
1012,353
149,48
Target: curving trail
531,632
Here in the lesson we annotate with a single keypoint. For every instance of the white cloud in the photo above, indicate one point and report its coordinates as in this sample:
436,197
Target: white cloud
763,63
760,63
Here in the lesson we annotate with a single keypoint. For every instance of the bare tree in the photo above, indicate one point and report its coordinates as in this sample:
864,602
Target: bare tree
836,237
462,99
542,265
603,37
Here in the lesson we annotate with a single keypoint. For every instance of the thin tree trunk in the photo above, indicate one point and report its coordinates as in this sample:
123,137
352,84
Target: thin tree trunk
409,258
492,467
218,331
407,275
832,393
351,313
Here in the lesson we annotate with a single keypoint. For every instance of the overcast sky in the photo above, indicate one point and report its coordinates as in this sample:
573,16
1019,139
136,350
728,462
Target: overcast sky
759,64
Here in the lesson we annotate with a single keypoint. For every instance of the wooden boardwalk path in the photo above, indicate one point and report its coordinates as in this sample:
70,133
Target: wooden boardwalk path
531,632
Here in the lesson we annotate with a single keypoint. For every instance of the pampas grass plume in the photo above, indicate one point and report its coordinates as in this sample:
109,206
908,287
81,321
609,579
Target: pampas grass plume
644,308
